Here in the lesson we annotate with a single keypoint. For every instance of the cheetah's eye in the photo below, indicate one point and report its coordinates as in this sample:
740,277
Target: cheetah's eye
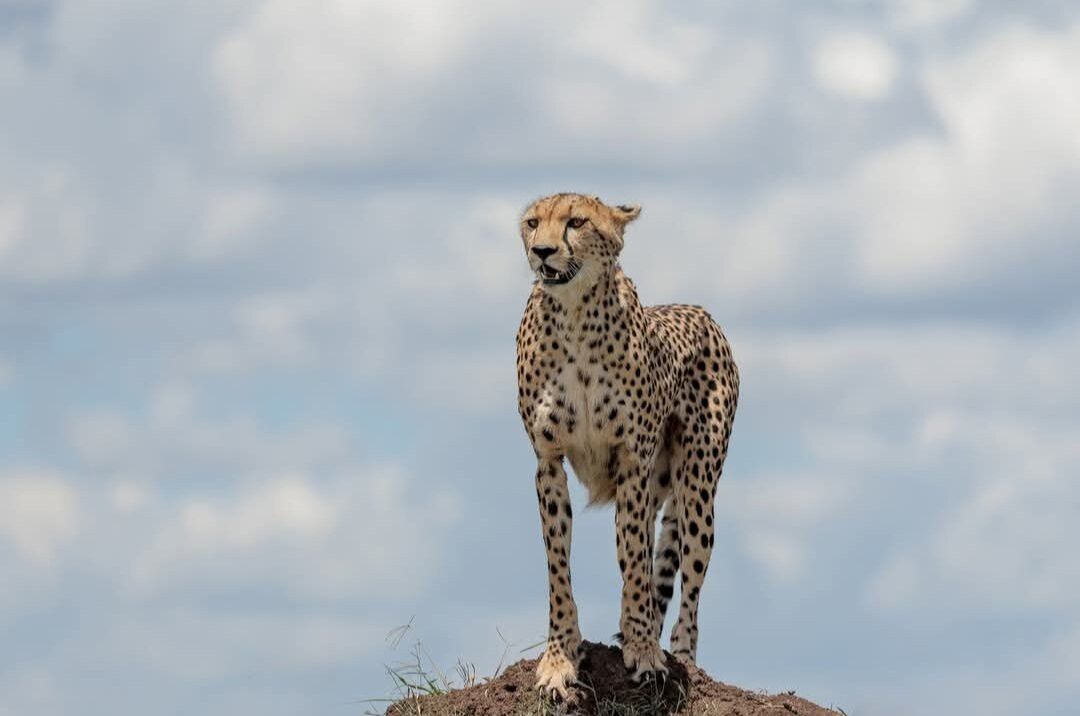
576,222
532,223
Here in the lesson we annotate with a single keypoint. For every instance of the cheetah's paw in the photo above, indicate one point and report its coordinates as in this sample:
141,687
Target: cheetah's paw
556,672
642,658
683,657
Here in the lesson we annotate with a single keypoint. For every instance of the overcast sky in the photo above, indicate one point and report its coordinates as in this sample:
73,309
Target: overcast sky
259,284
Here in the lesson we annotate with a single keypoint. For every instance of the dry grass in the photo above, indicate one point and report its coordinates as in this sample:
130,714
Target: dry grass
419,675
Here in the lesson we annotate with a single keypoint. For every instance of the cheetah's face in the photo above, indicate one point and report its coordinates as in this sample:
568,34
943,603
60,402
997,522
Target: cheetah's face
573,239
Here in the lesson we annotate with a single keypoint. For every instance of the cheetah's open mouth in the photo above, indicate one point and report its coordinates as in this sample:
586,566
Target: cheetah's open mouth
552,277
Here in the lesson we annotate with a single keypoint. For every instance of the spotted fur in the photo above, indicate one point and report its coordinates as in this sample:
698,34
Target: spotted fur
641,401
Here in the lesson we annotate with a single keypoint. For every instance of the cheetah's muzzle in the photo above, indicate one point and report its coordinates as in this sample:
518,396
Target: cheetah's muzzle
552,277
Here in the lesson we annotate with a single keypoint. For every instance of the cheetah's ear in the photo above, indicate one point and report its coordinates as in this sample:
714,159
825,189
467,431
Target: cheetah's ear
625,213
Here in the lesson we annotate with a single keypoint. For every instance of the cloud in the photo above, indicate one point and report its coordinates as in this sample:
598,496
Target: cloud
165,549
11,219
985,413
30,688
206,645
229,660
312,538
973,417
304,82
773,515
923,14
349,86
918,367
52,207
60,227
629,41
935,222
478,380
1006,546
284,508
1064,657
965,207
269,328
39,513
127,496
855,65
233,223
177,434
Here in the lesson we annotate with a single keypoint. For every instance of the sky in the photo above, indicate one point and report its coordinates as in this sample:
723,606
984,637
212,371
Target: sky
259,284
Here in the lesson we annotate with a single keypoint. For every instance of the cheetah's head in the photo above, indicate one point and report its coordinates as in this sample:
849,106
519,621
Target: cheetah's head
573,239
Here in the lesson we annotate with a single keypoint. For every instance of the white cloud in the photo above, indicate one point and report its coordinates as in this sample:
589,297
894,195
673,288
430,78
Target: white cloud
775,513
939,213
784,254
274,324
864,372
172,404
922,14
39,513
100,437
61,224
12,67
127,495
895,584
1008,545
477,380
798,499
778,553
472,255
655,119
44,229
970,205
339,539
985,413
178,434
286,507
30,689
210,646
11,221
639,40
233,220
1064,656
328,537
348,83
365,295
304,81
855,65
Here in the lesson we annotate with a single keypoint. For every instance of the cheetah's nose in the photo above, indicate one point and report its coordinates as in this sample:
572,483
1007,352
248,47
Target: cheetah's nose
544,251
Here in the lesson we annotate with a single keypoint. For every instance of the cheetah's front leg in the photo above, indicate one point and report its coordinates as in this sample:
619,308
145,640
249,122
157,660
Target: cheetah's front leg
635,518
557,669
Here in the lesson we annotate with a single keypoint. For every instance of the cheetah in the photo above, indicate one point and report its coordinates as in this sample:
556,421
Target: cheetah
641,401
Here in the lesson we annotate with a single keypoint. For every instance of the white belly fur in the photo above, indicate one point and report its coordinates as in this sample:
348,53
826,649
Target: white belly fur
591,467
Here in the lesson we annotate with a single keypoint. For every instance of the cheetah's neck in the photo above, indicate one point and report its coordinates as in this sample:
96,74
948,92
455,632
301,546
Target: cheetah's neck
611,295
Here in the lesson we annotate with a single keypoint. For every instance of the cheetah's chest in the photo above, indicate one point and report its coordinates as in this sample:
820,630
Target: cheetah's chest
581,413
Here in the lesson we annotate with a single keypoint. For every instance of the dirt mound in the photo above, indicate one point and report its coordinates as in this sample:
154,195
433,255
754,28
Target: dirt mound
606,690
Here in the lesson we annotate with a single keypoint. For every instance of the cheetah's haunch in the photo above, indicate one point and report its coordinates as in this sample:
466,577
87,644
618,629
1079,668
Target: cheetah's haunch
641,401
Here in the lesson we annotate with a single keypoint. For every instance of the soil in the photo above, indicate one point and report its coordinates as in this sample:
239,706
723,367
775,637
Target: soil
605,689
